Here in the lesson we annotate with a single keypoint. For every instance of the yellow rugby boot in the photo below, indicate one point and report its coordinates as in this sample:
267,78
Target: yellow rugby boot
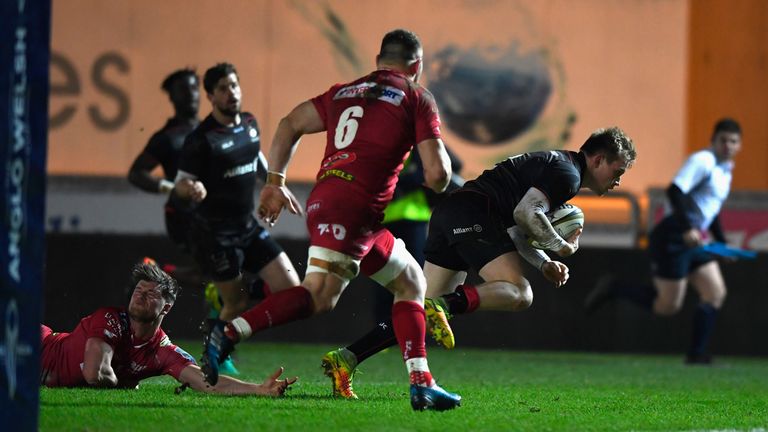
437,322
336,366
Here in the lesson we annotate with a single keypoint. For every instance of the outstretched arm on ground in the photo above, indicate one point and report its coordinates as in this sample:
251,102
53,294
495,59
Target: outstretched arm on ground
272,386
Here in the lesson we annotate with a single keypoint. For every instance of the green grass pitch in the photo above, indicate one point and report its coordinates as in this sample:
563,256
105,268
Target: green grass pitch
502,390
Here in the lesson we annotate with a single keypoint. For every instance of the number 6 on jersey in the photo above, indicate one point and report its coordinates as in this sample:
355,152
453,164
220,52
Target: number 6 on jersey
347,127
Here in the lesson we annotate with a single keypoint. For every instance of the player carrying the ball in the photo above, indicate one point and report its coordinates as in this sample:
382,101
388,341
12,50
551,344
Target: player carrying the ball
471,229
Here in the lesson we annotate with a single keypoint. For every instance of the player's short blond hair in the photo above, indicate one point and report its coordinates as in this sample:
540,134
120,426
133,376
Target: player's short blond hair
612,141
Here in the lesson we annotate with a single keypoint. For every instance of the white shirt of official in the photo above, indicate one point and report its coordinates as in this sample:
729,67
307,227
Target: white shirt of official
707,182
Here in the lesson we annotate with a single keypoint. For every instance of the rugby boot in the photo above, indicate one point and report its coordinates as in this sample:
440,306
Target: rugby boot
216,348
212,300
227,367
338,369
433,398
437,322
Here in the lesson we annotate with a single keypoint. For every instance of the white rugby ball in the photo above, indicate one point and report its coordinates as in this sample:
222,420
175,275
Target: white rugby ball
565,219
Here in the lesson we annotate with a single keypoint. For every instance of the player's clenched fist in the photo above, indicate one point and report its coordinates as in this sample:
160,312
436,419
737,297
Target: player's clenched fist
555,272
193,190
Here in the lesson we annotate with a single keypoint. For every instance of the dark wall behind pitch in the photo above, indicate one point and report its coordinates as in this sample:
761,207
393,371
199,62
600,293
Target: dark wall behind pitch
85,272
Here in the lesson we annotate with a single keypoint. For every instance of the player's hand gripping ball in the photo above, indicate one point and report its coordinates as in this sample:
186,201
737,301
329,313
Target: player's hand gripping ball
565,219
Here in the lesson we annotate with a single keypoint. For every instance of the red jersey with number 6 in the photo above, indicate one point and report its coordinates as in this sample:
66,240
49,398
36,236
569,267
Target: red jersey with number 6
372,124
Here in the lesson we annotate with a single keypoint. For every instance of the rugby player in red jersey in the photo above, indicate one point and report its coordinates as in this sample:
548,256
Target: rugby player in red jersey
115,347
372,124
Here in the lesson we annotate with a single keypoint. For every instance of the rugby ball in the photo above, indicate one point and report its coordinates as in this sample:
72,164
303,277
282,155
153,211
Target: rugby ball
565,219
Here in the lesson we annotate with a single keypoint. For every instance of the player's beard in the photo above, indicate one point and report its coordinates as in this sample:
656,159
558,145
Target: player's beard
230,110
142,316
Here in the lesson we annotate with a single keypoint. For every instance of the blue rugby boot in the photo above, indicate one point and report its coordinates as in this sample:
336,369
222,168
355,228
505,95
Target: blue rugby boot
216,348
433,398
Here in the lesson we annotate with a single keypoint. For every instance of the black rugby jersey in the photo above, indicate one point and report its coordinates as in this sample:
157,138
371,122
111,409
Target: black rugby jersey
225,159
165,145
555,173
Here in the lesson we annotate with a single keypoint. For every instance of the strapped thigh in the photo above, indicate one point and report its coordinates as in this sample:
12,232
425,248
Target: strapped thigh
397,262
324,260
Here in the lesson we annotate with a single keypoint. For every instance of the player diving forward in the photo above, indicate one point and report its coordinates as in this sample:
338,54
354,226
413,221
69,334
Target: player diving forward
479,227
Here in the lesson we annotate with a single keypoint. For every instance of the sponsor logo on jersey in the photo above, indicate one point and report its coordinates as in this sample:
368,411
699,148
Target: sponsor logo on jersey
387,94
113,323
354,91
313,207
338,231
464,230
336,173
184,354
227,144
338,159
240,170
392,95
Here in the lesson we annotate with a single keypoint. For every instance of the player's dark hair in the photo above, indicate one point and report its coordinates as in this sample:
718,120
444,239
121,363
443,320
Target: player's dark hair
215,73
728,125
400,45
177,75
168,286
613,142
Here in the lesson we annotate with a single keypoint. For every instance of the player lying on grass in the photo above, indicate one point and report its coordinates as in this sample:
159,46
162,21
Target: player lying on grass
473,228
115,347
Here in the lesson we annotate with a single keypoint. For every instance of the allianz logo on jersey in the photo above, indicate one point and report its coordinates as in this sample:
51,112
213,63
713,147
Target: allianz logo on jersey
388,94
338,231
240,170
463,230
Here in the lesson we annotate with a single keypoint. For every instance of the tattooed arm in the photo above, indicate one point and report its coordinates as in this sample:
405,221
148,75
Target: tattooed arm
530,215
554,271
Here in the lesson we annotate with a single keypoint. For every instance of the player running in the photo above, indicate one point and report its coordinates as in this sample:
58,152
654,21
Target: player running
482,227
372,124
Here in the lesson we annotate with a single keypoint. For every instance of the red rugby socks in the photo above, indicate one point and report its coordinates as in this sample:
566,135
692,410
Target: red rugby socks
409,322
279,308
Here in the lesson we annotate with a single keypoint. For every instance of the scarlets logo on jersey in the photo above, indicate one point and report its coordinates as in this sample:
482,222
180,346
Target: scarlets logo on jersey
388,94
338,159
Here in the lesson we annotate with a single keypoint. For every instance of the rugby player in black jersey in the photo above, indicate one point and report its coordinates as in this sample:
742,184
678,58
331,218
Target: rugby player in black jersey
220,163
164,148
482,226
